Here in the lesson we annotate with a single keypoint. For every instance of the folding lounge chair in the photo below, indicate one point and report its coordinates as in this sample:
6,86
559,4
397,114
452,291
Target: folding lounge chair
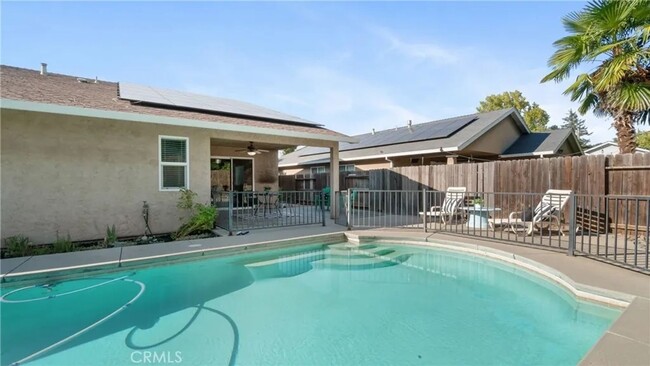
547,211
451,205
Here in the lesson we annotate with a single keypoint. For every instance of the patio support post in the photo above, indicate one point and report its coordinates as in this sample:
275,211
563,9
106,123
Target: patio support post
572,225
334,180
231,197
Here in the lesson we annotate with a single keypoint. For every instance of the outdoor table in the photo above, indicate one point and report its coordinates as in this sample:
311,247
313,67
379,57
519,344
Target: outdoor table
268,202
477,218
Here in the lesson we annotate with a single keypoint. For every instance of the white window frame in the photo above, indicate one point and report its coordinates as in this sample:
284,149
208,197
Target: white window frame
344,168
186,164
311,170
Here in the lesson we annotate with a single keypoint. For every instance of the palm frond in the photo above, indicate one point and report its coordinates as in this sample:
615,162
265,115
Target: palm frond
580,88
589,103
644,117
614,70
634,97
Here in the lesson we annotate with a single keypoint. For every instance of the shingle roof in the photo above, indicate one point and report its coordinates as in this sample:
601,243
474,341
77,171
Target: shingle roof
29,85
538,143
144,94
402,140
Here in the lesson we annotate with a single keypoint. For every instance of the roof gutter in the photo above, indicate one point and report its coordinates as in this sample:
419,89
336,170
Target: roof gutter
21,105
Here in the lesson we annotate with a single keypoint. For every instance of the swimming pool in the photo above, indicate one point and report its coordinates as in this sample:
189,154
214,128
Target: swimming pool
373,304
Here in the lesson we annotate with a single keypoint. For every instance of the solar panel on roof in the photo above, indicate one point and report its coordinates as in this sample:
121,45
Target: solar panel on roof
179,99
425,131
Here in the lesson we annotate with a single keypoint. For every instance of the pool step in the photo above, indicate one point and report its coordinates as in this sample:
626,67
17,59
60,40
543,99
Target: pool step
353,258
338,256
286,266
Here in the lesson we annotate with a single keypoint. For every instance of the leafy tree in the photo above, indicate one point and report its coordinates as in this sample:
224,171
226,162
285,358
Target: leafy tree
611,38
288,150
578,126
536,118
643,139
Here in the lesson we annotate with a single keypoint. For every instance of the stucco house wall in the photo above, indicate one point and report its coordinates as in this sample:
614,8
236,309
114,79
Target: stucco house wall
496,140
77,176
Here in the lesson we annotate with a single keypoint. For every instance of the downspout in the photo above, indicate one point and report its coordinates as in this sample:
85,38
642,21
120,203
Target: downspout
388,160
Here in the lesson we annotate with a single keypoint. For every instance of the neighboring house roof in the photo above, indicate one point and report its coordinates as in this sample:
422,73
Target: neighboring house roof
540,144
25,89
447,135
597,149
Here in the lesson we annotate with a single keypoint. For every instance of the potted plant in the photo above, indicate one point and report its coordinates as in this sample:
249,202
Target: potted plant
478,202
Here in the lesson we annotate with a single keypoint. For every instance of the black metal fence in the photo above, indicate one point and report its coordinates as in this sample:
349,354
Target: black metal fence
240,211
610,228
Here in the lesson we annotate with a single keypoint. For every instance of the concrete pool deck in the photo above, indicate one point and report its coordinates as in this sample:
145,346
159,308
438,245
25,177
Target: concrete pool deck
627,342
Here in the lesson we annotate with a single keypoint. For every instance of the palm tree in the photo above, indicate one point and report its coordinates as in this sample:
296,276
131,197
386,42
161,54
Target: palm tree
614,36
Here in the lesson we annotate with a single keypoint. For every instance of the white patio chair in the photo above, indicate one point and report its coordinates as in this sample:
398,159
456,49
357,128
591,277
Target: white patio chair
547,211
451,205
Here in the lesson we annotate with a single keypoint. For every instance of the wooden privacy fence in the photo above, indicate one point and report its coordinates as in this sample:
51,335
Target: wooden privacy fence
598,175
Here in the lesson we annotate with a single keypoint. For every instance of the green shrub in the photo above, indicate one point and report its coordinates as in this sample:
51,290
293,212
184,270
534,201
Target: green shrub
18,246
63,245
198,217
42,250
111,236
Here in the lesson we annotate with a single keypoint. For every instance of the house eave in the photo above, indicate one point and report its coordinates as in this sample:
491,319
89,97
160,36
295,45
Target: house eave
531,154
21,105
382,156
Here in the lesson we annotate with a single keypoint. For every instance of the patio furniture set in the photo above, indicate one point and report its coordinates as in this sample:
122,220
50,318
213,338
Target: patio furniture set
547,212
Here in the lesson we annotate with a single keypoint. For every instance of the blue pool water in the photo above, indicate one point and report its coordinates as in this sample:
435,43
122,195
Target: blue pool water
379,304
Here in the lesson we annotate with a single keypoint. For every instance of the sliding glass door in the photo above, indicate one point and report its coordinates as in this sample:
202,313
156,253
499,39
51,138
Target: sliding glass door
231,174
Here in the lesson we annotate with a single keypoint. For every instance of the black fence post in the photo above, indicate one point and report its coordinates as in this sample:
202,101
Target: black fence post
572,225
322,206
349,208
424,209
231,198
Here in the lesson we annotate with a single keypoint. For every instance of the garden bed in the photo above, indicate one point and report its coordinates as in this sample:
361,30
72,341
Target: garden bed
76,246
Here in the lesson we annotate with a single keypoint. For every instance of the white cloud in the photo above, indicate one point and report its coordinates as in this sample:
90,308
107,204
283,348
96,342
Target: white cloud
420,51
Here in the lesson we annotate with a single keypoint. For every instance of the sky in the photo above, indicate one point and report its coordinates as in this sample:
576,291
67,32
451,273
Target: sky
352,66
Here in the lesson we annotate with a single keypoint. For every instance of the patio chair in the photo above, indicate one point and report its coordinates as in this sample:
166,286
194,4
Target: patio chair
326,198
451,206
547,211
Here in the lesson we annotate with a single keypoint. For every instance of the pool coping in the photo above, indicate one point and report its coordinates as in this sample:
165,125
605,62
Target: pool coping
580,291
17,277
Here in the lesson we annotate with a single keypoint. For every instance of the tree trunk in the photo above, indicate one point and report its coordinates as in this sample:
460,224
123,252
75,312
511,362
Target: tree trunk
625,132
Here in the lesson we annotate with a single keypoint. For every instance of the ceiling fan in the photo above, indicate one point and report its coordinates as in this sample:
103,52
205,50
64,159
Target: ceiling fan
251,150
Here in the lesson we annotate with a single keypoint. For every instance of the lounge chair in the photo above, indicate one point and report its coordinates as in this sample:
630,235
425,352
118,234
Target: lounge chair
547,211
451,205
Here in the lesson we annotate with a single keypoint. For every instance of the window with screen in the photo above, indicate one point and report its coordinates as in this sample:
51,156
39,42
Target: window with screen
319,169
174,163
